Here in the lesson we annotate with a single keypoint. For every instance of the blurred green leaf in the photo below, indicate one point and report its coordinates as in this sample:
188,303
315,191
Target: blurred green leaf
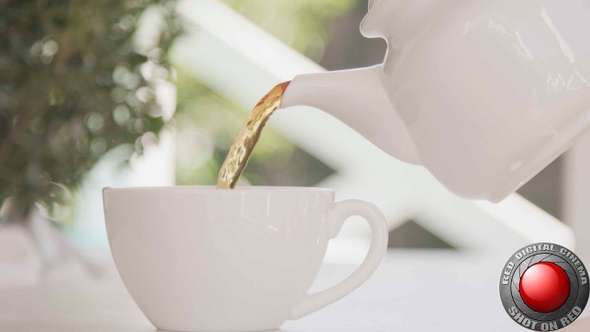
67,67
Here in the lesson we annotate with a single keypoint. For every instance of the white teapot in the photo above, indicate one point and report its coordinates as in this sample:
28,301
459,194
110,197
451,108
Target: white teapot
483,93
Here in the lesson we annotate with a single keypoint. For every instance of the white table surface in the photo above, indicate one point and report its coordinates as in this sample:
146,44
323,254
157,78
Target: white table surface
412,291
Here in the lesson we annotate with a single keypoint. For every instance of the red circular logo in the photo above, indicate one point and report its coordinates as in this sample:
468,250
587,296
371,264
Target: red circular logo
544,287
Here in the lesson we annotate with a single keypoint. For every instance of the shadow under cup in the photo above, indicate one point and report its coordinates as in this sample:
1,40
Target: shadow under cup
206,259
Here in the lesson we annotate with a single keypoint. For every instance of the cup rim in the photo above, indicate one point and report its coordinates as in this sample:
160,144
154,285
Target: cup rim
239,189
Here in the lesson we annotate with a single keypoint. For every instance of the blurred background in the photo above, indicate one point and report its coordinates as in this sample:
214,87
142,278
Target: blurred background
148,92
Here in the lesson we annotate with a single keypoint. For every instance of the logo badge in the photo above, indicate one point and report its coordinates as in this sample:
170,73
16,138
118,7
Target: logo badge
544,287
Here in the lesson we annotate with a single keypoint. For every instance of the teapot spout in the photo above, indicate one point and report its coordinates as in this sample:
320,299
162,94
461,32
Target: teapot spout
356,97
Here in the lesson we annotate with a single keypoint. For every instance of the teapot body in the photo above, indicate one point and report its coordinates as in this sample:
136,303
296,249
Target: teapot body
483,93
490,91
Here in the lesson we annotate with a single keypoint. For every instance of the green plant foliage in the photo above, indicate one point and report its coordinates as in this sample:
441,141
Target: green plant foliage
73,85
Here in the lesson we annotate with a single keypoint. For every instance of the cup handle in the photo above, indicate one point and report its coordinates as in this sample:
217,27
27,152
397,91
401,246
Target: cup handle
335,219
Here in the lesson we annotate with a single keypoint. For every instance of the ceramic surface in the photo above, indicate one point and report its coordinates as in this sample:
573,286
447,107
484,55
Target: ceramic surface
206,259
483,93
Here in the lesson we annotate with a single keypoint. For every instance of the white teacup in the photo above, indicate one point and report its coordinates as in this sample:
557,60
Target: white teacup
206,259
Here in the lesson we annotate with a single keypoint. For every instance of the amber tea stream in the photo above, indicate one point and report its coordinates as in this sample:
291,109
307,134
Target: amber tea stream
244,144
